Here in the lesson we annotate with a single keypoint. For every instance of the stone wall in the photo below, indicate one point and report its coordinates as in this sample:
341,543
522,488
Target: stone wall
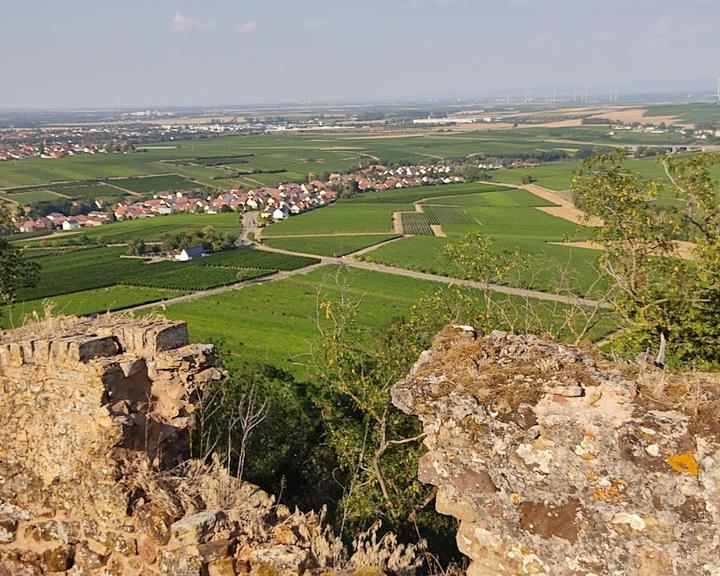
558,463
93,472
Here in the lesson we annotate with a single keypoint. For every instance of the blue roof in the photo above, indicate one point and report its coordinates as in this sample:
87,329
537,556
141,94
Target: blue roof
194,251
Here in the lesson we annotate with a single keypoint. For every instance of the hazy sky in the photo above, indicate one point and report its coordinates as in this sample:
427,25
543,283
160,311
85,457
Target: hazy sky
152,52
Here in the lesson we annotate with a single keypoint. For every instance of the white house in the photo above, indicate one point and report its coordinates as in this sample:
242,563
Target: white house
70,225
278,214
190,254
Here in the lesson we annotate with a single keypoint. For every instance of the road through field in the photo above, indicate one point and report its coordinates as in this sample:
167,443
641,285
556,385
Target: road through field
372,266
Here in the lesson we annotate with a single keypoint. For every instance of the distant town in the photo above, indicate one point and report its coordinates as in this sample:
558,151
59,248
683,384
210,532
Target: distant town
273,203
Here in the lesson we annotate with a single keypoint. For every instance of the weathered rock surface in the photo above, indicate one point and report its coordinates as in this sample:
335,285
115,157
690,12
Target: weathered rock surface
556,463
95,416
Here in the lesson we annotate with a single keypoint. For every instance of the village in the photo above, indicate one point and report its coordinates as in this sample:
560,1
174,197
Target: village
273,204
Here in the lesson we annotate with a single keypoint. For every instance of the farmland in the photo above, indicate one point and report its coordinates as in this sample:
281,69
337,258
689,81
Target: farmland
415,223
149,229
190,276
86,302
328,245
273,321
248,258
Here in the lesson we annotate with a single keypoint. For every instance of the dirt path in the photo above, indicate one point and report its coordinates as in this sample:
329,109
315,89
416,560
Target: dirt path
397,223
438,231
222,289
327,235
373,247
372,266
349,261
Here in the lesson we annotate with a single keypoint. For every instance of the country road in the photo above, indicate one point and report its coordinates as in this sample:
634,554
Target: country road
374,267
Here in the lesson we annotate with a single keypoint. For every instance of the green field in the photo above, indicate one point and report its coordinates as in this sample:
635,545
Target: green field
150,184
250,258
295,155
150,229
190,276
555,176
548,262
343,217
32,195
275,323
327,245
693,113
85,302
508,197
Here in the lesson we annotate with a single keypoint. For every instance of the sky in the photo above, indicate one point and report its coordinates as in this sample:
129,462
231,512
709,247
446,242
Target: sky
143,53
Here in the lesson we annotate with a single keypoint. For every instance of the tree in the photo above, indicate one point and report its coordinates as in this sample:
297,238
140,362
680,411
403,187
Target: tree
663,302
527,179
136,247
16,272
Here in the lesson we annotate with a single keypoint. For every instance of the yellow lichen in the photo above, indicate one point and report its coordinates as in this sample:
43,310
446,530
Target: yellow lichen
684,463
515,498
611,493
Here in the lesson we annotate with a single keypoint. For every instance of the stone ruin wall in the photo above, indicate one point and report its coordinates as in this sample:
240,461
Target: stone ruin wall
95,414
557,463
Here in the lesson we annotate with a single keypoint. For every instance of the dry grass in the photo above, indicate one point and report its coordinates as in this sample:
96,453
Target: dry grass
695,394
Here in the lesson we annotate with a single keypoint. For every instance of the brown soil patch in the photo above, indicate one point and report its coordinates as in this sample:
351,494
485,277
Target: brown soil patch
397,223
630,115
684,249
438,231
571,215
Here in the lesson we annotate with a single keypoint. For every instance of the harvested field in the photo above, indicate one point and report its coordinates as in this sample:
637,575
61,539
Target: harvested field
629,115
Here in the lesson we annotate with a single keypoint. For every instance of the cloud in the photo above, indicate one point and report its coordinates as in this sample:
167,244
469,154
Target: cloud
247,28
181,22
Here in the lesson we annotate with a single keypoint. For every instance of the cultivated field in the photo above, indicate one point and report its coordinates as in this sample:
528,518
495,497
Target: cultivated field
328,245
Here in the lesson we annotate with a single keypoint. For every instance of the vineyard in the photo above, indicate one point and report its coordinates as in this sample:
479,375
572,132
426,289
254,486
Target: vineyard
445,215
251,258
190,276
63,273
415,223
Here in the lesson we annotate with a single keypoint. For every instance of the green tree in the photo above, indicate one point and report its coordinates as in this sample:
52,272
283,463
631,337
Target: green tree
136,247
666,304
527,179
16,272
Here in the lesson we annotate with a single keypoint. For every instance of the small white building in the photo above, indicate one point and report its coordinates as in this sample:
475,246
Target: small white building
190,254
71,225
278,214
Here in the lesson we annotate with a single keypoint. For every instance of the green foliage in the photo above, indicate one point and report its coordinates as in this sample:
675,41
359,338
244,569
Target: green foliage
279,446
208,237
16,272
375,445
656,294
136,247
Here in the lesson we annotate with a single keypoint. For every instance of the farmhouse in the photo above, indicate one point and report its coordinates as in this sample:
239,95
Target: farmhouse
190,254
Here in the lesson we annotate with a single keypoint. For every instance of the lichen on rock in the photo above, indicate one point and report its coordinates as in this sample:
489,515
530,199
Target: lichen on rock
557,462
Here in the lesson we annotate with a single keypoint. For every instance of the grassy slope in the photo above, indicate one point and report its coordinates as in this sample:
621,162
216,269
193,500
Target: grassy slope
275,322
